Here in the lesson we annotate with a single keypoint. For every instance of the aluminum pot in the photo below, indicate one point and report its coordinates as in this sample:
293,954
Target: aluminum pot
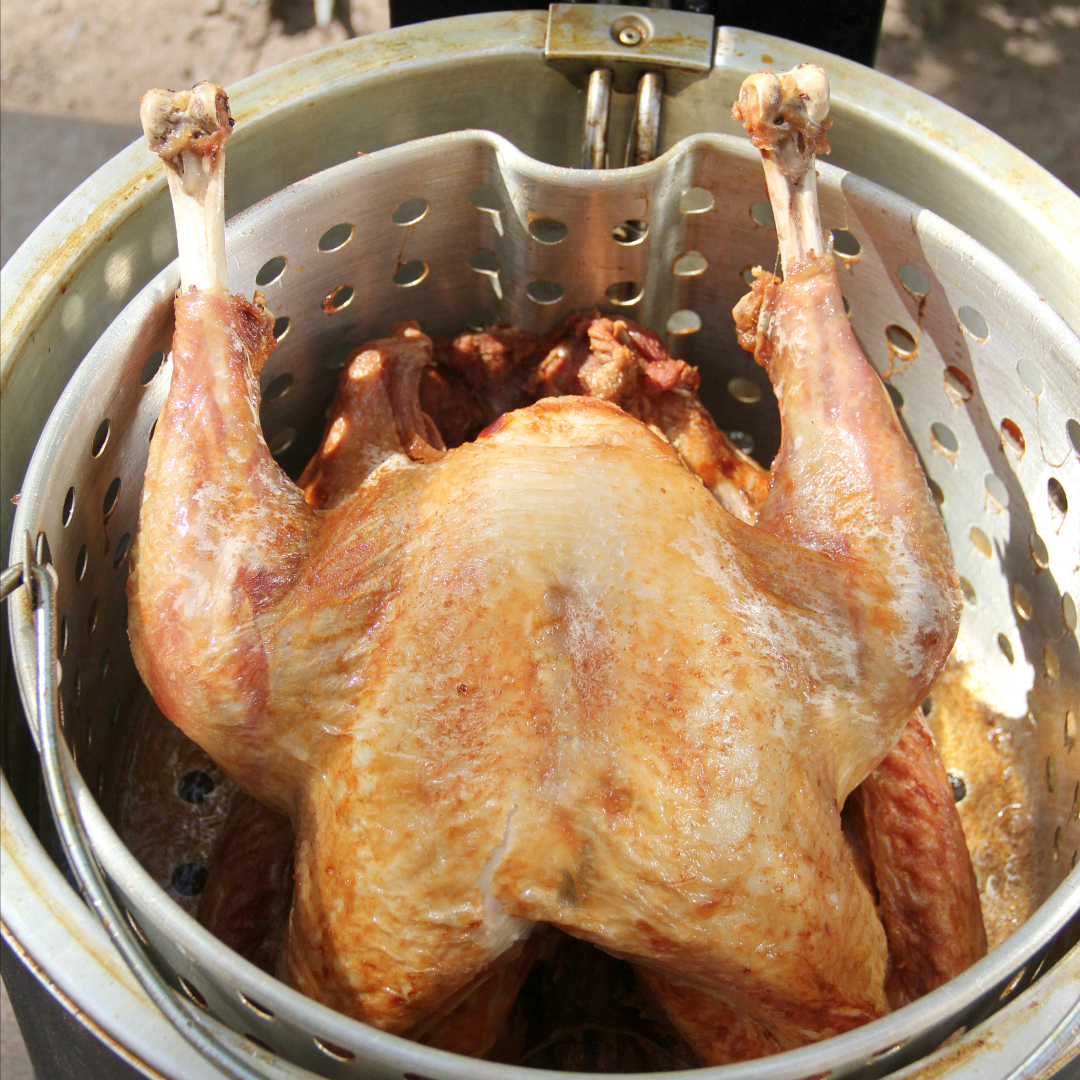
69,281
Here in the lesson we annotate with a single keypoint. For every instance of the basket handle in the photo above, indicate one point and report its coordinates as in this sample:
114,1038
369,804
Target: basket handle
58,766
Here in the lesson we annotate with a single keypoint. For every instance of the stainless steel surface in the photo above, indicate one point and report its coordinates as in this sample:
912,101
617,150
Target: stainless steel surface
597,108
85,263
645,136
629,41
541,280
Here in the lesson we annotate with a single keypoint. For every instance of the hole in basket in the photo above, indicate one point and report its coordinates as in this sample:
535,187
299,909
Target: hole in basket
1068,612
282,440
480,319
935,492
547,230
958,785
895,396
943,438
194,786
624,293
957,384
257,1042
544,292
278,386
1012,437
762,214
683,322
1005,645
997,494
339,1053
412,273
42,553
192,991
63,634
337,357
410,211
1014,982
111,495
1059,504
153,428
845,245
122,549
189,878
847,306
630,232
692,264
745,390
281,327
697,200
485,197
80,563
484,261
914,280
1051,774
340,298
1070,735
1072,429
1051,663
337,236
980,541
1022,602
255,1007
69,506
1038,551
900,340
101,437
927,707
92,617
743,440
748,275
968,590
103,666
151,367
1030,376
136,927
271,270
973,322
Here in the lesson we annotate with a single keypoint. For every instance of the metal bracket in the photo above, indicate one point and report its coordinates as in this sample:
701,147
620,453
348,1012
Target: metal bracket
629,41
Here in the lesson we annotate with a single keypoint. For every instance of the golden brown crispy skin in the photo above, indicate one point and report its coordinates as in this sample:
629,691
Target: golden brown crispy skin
906,819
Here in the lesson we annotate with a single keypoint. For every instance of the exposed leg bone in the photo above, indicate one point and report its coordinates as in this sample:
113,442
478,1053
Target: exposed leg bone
785,117
187,130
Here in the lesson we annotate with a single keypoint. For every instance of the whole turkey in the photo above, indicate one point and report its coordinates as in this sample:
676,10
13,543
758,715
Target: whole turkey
592,668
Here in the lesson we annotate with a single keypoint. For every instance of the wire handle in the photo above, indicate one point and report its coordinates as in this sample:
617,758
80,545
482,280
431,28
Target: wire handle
57,765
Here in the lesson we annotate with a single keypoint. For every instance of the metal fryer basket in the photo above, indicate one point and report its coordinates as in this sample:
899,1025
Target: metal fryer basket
501,233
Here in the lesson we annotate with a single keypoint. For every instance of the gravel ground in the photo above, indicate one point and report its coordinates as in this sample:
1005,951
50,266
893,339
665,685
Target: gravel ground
71,73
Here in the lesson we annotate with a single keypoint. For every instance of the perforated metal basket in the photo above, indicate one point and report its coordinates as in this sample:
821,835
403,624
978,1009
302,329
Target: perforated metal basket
463,228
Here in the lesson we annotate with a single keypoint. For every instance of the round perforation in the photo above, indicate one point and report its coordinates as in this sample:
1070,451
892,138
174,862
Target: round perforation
1051,662
957,385
901,341
1059,502
151,367
278,386
1021,602
745,390
188,879
547,231
411,273
92,617
968,590
544,292
762,215
338,1053
256,1007
943,439
972,322
682,322
338,299
123,546
1005,645
108,504
1030,376
191,990
80,563
281,327
846,246
980,541
1012,438
271,271
997,494
281,440
692,264
101,438
914,280
624,293
69,506
410,212
336,237
1072,429
630,233
1039,554
696,200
